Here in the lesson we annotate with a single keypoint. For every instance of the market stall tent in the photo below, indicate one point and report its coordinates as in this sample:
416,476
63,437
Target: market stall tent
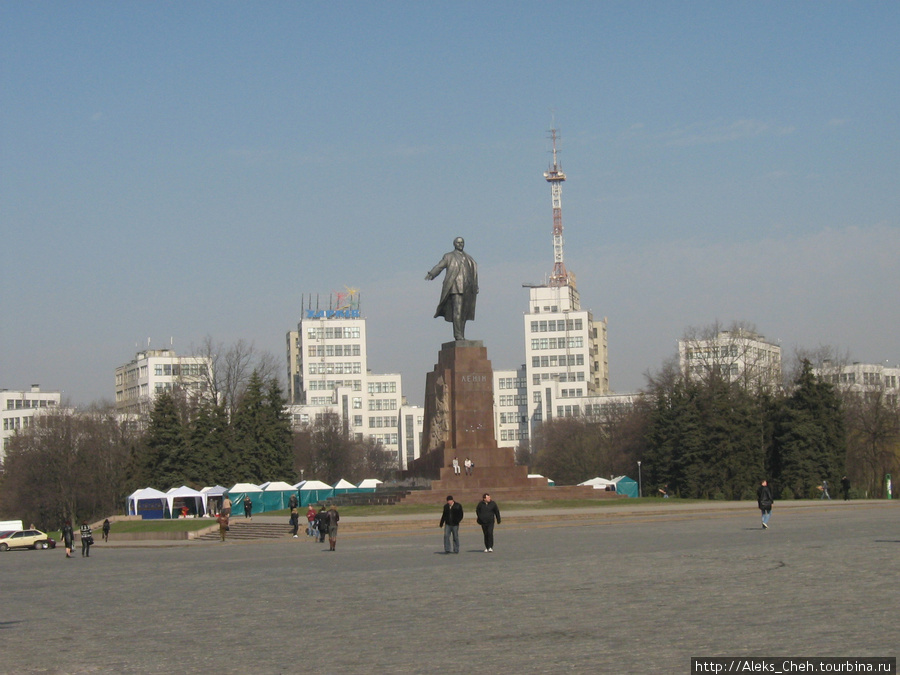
148,503
368,485
342,487
214,497
276,495
599,483
312,491
187,497
239,491
626,486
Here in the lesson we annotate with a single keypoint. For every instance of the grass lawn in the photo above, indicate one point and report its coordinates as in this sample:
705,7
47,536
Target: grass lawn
179,525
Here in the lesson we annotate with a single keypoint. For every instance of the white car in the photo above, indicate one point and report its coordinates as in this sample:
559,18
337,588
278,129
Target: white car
25,539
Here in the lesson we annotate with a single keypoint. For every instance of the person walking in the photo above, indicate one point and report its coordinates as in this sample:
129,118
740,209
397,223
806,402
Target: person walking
332,516
106,530
824,489
322,524
87,538
68,537
312,528
248,508
845,488
295,521
222,518
226,505
764,500
450,520
486,513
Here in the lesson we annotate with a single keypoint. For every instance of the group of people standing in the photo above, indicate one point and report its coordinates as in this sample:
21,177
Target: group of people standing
487,513
322,523
319,524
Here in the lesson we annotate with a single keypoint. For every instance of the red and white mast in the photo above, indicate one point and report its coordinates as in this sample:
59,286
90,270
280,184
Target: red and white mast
555,177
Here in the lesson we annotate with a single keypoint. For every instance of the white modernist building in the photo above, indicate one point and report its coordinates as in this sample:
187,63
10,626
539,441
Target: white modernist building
738,355
510,407
862,378
328,373
18,409
155,370
412,419
565,351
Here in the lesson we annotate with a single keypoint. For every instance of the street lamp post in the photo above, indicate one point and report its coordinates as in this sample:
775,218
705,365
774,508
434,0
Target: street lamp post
640,488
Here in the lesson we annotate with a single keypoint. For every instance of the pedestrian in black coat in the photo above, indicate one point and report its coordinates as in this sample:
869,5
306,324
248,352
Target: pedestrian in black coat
486,513
764,500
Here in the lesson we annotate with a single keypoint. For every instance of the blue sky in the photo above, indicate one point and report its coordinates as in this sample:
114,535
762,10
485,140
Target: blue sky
177,170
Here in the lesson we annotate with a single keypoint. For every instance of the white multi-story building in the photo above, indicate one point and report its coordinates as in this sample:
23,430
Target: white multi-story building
565,350
18,409
738,355
862,377
412,418
510,407
328,373
155,370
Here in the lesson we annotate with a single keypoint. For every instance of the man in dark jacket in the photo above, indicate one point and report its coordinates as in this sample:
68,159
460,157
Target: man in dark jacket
332,517
450,520
68,535
322,522
764,500
486,511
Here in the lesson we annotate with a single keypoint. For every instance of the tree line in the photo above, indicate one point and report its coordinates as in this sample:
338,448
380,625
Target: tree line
82,464
715,437
711,436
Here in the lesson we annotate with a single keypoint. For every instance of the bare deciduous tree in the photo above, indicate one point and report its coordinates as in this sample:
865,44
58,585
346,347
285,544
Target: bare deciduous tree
231,368
735,354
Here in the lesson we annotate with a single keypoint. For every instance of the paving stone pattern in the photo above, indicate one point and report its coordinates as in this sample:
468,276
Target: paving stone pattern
636,593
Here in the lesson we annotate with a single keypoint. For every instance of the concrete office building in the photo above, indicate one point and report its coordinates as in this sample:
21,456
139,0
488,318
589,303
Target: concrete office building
409,433
862,378
510,407
328,373
738,355
155,370
18,409
565,350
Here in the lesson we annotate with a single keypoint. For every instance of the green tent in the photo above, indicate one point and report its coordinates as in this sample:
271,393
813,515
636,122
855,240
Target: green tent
626,486
343,487
241,491
312,491
275,496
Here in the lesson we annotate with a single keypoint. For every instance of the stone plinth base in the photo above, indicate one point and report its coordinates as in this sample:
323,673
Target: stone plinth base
459,425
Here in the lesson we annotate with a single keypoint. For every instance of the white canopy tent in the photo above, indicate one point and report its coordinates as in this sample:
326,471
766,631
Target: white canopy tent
599,483
184,492
146,495
214,496
369,484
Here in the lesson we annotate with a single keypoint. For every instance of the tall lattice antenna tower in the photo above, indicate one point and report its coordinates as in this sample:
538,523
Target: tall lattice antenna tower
555,177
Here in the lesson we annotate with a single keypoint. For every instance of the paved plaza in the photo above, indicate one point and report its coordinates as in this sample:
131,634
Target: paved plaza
639,591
